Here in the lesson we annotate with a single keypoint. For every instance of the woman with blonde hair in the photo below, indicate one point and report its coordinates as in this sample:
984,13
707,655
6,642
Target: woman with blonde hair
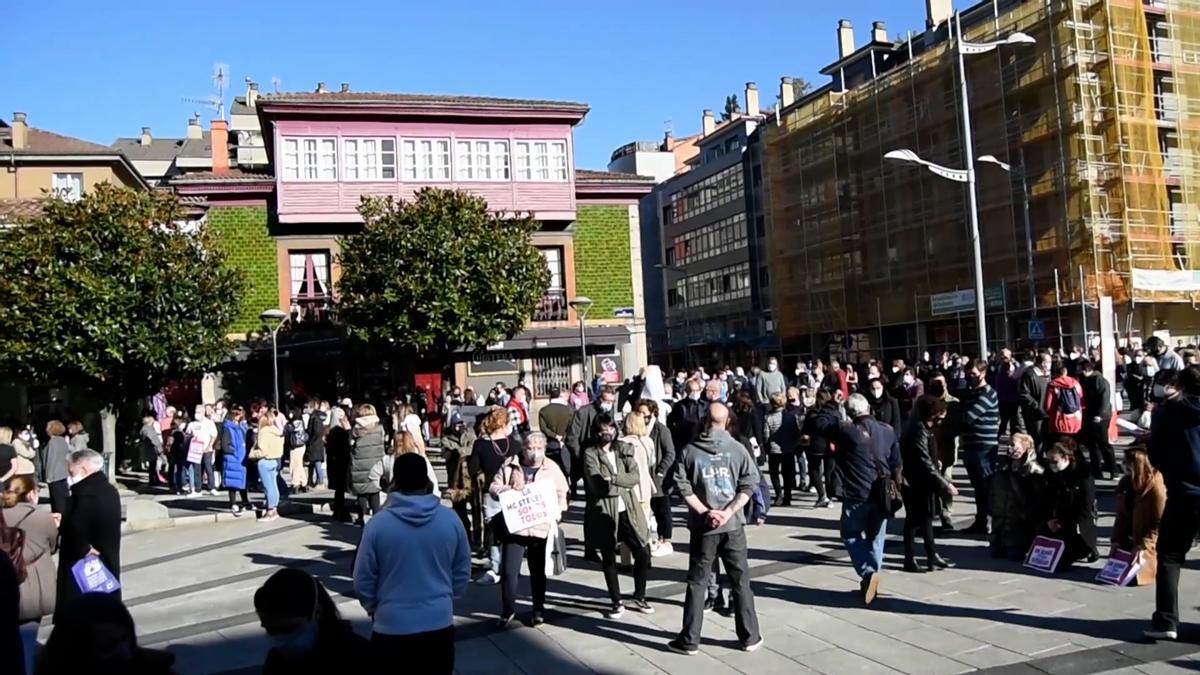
268,451
637,435
404,443
1141,499
39,589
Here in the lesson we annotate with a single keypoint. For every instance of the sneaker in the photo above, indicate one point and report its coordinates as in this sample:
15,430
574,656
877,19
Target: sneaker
615,612
1156,634
237,511
870,587
822,504
537,619
663,549
680,648
641,606
710,604
753,646
504,620
488,578
811,489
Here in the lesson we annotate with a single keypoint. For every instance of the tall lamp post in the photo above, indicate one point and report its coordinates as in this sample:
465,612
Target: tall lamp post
277,317
581,305
1019,172
967,175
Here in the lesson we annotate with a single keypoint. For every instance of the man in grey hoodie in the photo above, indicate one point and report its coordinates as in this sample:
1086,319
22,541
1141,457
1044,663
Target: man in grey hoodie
717,477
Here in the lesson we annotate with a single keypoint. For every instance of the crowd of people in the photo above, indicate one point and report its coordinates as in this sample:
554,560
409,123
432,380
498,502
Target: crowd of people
1033,434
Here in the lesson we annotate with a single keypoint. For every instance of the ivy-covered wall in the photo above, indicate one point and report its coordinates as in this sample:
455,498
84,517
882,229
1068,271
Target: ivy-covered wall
602,258
242,232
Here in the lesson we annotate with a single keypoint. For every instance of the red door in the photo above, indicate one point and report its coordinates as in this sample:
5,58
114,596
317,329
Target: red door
430,386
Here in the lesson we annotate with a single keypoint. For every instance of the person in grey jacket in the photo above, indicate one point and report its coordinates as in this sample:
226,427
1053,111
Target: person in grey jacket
54,470
38,590
770,382
366,450
717,478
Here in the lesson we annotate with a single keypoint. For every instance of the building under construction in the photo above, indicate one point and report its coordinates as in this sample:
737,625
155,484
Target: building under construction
1099,126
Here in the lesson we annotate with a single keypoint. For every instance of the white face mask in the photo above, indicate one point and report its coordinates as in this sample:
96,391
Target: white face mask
606,406
1059,465
772,366
908,379
694,395
72,479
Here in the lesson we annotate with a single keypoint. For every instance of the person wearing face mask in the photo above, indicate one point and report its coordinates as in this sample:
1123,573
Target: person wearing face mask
1017,489
582,433
91,524
884,408
1031,392
1168,359
1065,405
662,475
911,389
687,415
308,634
530,544
1097,399
37,592
492,450
770,382
922,482
413,561
1071,503
979,439
1141,500
614,513
54,468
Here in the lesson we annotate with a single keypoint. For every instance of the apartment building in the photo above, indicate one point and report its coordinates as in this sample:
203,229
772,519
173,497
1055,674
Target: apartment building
1099,126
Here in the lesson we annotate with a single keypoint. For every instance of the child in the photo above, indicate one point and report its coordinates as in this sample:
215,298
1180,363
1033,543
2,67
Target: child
1016,487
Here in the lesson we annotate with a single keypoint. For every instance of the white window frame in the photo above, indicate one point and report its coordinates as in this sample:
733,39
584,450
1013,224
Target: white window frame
67,185
312,159
541,161
523,166
364,159
482,160
426,159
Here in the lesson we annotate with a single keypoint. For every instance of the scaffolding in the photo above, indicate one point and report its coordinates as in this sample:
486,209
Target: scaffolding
1101,122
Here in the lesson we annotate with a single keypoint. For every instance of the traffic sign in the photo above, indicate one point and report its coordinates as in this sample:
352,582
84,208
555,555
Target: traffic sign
1037,330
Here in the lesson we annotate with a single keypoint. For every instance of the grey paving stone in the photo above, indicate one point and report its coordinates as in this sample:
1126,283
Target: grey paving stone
842,662
939,641
989,656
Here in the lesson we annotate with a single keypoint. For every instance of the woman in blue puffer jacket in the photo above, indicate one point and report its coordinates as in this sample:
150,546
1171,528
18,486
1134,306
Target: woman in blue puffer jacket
233,467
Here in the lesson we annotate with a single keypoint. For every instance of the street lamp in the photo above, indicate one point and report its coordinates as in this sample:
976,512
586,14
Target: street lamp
967,175
581,304
278,317
1019,172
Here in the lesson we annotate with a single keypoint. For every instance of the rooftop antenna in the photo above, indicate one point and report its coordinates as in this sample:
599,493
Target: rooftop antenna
669,126
216,101
275,83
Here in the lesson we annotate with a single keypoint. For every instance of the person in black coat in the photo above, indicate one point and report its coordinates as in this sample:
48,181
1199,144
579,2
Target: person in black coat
91,524
1098,412
1070,509
923,482
314,450
308,634
824,413
884,408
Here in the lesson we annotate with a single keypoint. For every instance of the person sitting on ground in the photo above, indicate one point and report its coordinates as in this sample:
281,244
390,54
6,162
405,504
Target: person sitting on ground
1071,503
1016,493
94,633
1141,500
413,561
532,543
308,634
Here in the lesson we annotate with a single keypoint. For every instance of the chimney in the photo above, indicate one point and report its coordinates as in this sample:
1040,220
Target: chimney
20,131
321,88
845,38
668,141
220,147
752,99
251,95
787,91
879,32
146,137
938,12
345,87
193,129
709,124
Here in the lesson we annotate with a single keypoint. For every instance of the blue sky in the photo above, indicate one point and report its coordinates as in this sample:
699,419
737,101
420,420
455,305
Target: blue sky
99,71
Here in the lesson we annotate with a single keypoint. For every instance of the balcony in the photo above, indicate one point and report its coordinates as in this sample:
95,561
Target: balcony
312,310
552,307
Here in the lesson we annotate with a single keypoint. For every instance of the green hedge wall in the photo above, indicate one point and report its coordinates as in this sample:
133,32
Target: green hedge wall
602,258
242,232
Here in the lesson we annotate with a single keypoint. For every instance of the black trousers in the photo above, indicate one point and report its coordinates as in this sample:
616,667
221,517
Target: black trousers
641,561
514,550
368,502
431,652
820,472
785,464
1099,447
660,506
1011,421
233,495
59,495
1176,532
730,547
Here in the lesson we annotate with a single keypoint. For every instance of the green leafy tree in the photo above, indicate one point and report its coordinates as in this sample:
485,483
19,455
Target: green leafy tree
113,293
732,107
438,274
800,87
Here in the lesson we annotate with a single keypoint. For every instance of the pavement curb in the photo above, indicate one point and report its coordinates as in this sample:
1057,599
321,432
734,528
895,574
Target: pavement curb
214,517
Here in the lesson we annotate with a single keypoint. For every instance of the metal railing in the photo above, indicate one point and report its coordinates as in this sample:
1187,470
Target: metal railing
313,309
552,307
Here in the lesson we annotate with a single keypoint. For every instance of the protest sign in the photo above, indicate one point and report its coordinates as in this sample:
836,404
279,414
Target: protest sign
536,505
1044,554
1122,568
93,577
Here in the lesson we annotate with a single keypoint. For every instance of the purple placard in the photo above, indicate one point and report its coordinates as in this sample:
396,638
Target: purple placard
93,577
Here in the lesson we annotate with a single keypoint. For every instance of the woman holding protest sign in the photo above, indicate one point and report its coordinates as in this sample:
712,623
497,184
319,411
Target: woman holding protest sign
614,514
527,470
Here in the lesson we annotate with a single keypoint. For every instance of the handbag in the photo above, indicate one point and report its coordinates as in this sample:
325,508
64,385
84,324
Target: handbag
885,493
556,551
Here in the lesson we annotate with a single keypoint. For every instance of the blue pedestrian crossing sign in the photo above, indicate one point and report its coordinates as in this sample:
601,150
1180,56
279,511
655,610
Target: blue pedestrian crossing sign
1037,330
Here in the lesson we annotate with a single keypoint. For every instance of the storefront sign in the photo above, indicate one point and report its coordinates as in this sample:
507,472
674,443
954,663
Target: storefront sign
964,301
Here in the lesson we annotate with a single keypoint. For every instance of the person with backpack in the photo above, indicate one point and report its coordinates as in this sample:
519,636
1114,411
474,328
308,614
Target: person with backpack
1064,406
297,443
29,537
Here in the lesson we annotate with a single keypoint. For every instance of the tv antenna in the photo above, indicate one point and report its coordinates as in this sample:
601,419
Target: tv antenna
275,83
216,101
669,125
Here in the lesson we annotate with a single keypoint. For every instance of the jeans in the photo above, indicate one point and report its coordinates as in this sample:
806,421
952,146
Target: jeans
206,470
268,470
704,550
864,529
428,653
641,561
318,474
191,477
784,463
29,641
515,549
1177,531
980,465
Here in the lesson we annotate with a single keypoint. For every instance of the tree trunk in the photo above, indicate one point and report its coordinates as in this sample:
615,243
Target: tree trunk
108,432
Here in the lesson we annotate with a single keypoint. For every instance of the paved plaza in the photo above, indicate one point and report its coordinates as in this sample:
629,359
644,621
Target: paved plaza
190,589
